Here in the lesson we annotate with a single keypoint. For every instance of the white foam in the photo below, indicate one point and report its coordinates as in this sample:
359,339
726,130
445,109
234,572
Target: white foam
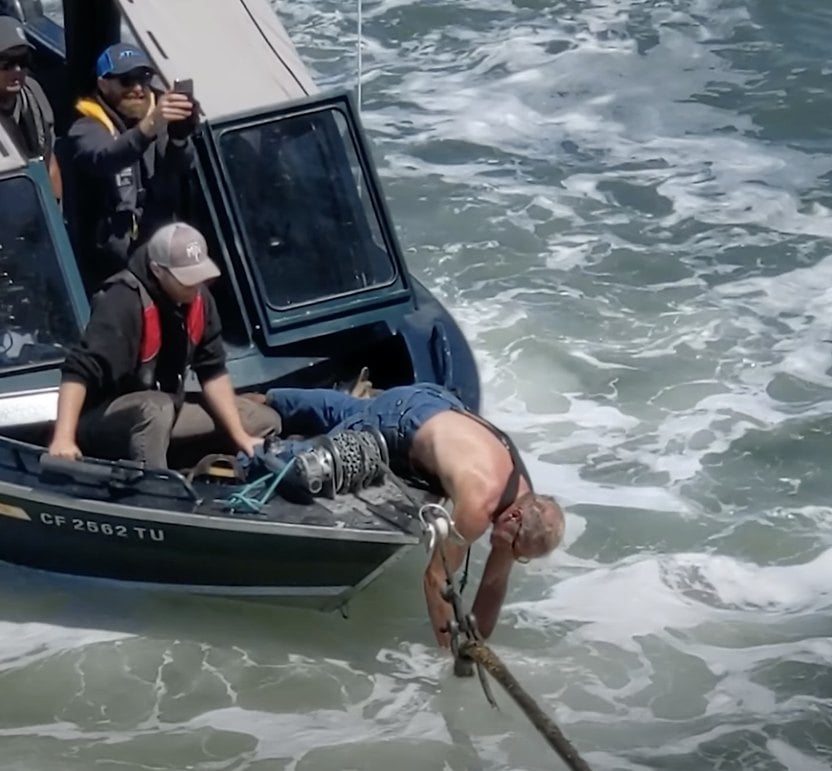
775,589
648,595
792,758
24,644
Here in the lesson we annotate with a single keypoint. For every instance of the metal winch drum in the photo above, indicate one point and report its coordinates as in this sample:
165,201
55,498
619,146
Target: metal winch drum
343,462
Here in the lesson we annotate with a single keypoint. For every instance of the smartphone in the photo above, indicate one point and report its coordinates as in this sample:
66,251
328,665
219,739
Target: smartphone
185,86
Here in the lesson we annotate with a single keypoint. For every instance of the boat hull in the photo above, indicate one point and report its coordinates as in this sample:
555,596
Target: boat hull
310,567
151,530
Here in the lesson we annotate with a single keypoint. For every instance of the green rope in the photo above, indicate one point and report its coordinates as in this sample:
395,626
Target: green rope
245,497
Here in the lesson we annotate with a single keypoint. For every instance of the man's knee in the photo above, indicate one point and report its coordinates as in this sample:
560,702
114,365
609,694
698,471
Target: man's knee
155,414
258,419
156,409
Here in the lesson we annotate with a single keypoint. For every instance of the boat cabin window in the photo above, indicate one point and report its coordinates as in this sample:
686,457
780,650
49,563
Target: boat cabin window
36,315
304,205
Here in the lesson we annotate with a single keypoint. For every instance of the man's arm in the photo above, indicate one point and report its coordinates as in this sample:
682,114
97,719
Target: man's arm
179,155
48,117
221,399
108,350
439,609
71,397
492,590
471,521
100,154
209,366
490,594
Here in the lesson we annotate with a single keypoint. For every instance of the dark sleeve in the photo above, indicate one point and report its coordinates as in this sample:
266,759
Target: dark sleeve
209,356
94,150
46,112
109,347
178,157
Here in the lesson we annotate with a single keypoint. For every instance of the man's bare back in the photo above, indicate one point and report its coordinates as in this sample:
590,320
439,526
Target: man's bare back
471,463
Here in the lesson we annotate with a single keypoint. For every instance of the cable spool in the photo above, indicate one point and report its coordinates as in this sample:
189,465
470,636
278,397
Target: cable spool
363,455
344,462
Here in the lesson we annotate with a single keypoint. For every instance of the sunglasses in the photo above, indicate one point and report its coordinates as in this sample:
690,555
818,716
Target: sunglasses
10,62
130,79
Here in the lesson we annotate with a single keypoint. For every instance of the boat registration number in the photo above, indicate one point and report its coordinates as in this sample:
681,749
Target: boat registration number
95,527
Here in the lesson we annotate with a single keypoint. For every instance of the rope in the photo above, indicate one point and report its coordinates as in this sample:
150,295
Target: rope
474,649
244,498
480,653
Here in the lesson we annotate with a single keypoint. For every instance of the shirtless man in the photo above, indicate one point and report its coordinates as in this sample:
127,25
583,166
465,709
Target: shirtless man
430,434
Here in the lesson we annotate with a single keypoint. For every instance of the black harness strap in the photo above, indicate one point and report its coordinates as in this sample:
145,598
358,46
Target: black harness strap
518,470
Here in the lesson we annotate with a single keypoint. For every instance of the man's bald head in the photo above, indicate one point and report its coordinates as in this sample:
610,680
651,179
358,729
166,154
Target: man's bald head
541,526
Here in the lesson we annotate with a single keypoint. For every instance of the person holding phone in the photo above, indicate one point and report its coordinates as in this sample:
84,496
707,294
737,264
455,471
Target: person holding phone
126,157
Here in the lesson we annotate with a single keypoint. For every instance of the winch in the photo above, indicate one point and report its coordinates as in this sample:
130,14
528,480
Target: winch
342,462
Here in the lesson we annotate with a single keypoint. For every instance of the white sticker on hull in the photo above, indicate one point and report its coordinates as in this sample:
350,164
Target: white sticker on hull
15,512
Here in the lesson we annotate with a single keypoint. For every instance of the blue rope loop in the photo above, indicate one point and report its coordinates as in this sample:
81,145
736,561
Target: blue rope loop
245,499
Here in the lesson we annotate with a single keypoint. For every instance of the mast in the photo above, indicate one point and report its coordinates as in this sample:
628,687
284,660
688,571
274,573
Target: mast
89,27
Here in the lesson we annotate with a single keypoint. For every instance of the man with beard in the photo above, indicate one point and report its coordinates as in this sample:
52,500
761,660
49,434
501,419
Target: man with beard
128,156
25,111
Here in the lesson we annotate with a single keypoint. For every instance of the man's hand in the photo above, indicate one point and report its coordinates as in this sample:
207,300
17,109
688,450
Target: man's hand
64,448
505,531
170,108
248,444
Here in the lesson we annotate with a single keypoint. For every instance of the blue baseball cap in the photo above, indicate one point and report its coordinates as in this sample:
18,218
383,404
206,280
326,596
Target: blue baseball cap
121,58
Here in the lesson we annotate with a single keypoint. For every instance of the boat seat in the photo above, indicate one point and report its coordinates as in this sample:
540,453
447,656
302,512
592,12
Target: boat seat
217,466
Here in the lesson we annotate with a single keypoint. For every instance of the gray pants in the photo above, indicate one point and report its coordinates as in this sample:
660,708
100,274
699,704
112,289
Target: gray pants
144,426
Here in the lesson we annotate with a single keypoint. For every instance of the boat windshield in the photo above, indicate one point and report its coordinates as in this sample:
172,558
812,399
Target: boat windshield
305,206
36,316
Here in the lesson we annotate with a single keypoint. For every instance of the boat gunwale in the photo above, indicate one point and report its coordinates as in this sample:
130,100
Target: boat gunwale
238,523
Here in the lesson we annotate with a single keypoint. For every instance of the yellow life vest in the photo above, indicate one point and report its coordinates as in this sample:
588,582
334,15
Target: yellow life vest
90,108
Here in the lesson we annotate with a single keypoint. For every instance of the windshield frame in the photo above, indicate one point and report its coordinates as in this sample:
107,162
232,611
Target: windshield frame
397,289
35,174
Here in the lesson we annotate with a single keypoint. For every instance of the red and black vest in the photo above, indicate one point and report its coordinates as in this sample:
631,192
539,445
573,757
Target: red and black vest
151,342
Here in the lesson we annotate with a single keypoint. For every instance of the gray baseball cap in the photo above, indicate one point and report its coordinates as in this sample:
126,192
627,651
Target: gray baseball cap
183,251
12,34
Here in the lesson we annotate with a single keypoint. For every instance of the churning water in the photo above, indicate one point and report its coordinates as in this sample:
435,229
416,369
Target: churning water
626,205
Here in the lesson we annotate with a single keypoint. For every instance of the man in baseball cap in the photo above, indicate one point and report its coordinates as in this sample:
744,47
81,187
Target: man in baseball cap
25,111
178,258
126,157
122,392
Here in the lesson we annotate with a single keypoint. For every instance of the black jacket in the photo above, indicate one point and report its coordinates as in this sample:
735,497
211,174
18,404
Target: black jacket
118,189
106,360
31,123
